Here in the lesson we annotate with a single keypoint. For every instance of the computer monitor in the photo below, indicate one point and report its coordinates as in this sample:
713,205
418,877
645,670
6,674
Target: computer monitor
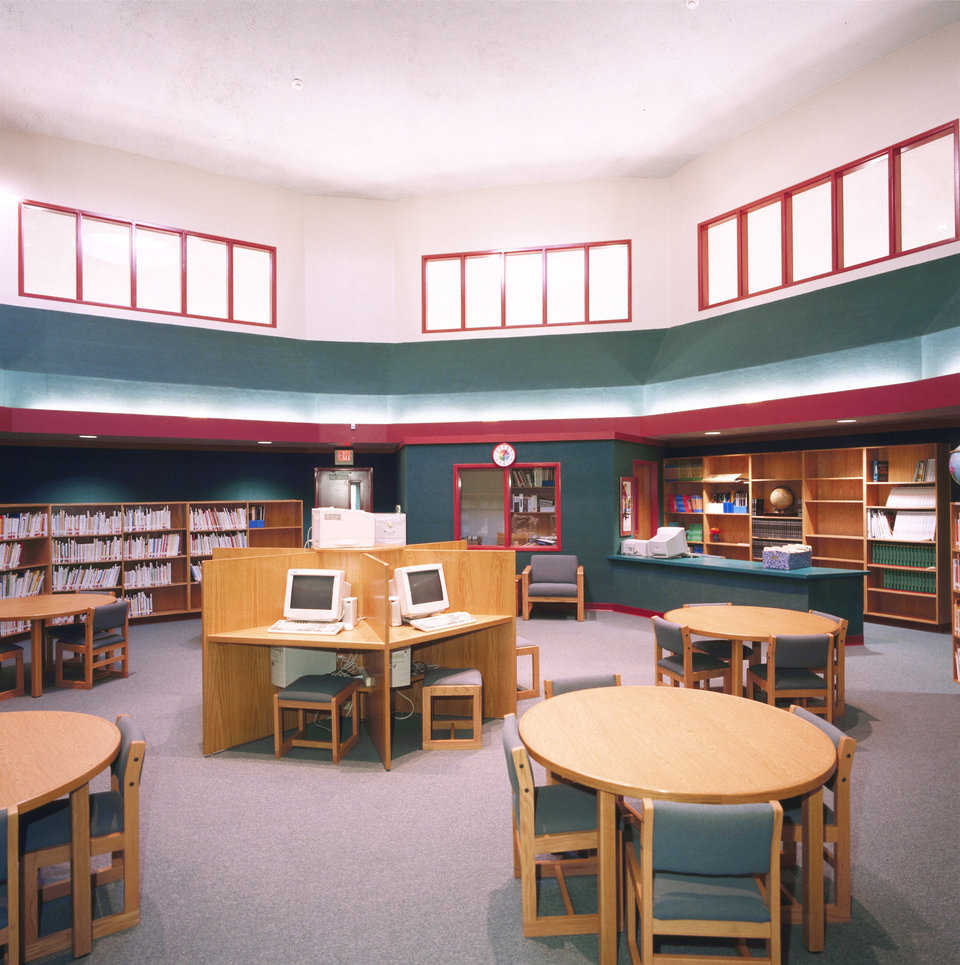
422,589
669,541
333,527
315,595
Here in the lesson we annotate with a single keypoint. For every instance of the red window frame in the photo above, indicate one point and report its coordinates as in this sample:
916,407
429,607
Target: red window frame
507,534
79,214
543,323
835,178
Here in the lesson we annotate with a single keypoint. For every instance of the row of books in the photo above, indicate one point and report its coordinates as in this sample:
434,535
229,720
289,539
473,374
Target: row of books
218,519
141,604
9,627
70,551
205,544
956,574
10,555
903,554
19,525
147,517
143,547
695,533
531,504
74,578
913,582
149,574
911,497
926,470
537,476
691,471
785,529
29,583
909,526
687,503
100,523
196,572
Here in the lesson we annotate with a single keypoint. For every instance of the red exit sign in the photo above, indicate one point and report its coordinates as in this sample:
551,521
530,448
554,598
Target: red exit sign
343,457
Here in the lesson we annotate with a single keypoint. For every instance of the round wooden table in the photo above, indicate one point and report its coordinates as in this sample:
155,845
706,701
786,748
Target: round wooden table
755,623
684,745
43,755
38,609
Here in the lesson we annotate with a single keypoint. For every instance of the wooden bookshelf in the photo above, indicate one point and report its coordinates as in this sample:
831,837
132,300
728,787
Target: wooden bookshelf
836,498
140,550
955,588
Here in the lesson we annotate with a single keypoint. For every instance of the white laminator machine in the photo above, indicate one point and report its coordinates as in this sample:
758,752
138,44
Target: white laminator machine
668,541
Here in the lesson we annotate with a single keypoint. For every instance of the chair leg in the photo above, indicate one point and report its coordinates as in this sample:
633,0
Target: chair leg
841,872
335,729
277,726
427,735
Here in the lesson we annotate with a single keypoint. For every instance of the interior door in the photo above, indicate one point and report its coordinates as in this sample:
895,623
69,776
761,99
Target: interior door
344,488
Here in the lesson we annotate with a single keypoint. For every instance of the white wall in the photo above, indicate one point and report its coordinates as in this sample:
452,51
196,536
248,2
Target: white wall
349,269
909,91
130,186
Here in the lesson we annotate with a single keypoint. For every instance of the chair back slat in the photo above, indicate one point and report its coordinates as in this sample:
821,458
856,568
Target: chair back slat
566,685
799,651
668,635
712,839
512,743
549,568
110,616
130,732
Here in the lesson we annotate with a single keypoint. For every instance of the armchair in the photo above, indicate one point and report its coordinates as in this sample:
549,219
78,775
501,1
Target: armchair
552,579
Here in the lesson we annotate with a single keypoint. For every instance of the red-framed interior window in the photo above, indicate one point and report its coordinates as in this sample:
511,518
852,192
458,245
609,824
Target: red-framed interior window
516,508
78,256
897,200
552,285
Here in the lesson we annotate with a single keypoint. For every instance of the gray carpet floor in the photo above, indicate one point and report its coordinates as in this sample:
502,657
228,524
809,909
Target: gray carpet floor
248,859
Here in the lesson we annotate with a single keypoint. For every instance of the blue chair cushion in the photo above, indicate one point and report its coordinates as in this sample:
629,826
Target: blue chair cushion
553,589
701,661
551,568
560,807
707,898
68,632
49,826
788,679
317,688
719,648
566,685
452,677
9,649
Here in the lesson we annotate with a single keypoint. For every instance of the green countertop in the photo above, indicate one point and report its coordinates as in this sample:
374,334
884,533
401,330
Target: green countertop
701,562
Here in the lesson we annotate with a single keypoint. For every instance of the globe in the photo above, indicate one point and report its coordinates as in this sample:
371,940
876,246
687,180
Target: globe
955,465
781,499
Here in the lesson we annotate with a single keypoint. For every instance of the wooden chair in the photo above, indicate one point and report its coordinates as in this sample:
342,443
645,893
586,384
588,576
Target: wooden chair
839,661
99,645
10,651
10,886
836,824
547,821
683,666
527,649
710,870
453,682
114,830
716,647
321,693
793,669
566,685
552,579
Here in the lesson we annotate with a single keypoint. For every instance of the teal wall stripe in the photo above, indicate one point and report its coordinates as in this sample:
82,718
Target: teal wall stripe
895,305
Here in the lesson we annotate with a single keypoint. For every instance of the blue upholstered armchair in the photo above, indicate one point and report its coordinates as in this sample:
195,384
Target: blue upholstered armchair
552,579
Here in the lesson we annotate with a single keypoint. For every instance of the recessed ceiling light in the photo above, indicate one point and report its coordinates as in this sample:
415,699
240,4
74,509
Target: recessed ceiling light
88,437
692,4
712,432
265,442
296,83
846,420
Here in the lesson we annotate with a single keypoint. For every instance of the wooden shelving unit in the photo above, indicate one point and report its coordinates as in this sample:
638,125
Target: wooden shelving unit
143,550
836,498
955,587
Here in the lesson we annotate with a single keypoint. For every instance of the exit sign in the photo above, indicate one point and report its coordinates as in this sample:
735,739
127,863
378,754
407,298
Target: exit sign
343,457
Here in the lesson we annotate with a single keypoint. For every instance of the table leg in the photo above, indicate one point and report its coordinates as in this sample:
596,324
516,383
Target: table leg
736,668
80,870
36,658
813,912
607,876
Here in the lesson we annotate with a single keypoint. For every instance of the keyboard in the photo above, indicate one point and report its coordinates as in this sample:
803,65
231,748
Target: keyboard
442,621
306,626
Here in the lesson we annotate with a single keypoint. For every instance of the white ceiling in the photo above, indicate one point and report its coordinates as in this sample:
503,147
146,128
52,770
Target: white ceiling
410,98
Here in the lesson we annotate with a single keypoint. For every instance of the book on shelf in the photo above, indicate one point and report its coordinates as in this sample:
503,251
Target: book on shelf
725,477
148,574
23,525
222,518
98,523
10,555
147,517
915,526
879,470
141,604
911,497
74,578
196,571
92,551
926,470
143,547
204,544
28,583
